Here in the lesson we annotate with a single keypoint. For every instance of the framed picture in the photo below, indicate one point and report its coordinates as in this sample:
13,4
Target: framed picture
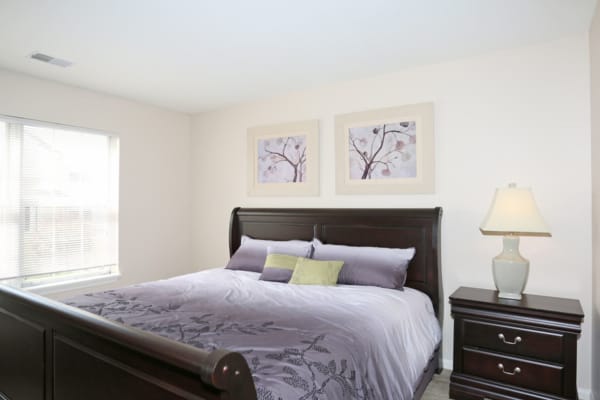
283,160
386,151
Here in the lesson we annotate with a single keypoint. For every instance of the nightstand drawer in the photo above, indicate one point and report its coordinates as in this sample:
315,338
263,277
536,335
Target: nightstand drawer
514,340
514,371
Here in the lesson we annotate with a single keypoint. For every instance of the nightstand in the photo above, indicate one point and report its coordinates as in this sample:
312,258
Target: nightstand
514,349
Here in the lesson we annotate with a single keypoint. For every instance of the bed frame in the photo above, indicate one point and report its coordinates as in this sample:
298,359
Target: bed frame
51,351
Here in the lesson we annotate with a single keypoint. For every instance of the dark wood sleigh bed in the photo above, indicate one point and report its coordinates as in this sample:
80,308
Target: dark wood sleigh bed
41,340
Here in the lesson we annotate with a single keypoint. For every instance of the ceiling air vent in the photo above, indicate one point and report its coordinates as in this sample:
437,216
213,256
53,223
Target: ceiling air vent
51,60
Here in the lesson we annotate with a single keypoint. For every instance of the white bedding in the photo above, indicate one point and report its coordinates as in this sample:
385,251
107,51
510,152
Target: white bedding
382,339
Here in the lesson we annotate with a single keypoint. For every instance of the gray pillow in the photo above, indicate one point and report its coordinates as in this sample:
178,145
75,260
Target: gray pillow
251,254
370,266
280,264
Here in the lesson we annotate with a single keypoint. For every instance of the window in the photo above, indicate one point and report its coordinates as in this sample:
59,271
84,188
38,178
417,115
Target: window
58,204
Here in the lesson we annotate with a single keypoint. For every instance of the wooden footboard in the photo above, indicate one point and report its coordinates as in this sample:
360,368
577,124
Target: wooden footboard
51,351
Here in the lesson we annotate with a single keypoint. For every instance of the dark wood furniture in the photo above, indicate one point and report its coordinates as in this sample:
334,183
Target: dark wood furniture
52,351
514,349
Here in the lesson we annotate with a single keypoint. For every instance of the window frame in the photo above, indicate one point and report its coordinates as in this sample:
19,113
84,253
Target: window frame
81,277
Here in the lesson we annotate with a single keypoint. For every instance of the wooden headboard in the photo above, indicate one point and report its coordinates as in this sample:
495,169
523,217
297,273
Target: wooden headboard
396,228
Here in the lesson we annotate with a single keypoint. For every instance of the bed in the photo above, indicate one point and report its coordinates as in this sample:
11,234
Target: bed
50,350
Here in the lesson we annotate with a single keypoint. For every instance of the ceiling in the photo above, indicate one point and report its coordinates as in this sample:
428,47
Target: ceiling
198,55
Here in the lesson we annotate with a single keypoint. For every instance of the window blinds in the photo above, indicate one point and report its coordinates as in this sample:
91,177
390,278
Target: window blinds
58,203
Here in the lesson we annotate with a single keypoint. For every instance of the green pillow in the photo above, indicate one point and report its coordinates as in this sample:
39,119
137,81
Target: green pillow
316,272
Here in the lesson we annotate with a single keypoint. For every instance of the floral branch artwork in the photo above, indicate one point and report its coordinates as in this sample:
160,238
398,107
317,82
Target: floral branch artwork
383,151
282,159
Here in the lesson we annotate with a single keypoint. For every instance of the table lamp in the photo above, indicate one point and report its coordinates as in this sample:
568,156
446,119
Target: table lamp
513,213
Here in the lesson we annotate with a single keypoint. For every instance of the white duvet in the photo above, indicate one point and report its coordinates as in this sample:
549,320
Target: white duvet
300,341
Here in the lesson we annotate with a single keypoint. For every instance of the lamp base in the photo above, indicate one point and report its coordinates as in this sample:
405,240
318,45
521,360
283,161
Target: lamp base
510,270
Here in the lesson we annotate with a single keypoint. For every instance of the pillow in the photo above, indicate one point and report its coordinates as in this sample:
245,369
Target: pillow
251,254
314,272
371,266
278,267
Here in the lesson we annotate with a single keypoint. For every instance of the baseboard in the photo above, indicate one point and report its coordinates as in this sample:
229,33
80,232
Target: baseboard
584,394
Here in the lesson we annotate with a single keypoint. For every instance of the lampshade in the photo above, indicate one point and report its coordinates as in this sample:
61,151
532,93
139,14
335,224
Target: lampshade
514,211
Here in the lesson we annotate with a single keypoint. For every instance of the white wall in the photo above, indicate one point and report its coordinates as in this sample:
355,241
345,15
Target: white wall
595,107
155,166
520,115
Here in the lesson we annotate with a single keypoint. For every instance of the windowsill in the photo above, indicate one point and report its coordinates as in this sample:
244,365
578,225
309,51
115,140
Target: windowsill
74,284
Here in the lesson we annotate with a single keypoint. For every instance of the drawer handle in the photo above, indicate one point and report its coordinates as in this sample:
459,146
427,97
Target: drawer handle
517,339
516,371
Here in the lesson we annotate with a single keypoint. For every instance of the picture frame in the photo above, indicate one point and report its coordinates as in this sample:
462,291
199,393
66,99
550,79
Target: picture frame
283,159
386,151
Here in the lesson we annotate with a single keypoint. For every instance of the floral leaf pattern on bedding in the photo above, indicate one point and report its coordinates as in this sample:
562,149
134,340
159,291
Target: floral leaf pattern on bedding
301,367
196,334
121,310
114,304
331,375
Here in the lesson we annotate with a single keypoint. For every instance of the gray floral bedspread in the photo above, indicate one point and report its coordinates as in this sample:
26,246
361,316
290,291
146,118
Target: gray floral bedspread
301,342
